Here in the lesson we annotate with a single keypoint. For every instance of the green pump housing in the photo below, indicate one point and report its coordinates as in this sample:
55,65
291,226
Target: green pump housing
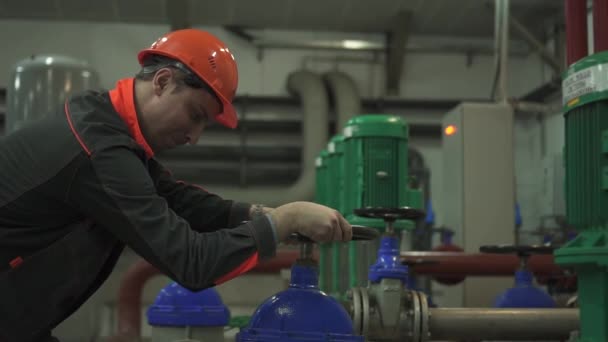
334,256
585,99
321,196
376,167
364,166
321,179
335,172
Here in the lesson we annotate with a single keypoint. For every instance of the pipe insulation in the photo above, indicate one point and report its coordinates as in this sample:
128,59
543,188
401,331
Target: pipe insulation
346,98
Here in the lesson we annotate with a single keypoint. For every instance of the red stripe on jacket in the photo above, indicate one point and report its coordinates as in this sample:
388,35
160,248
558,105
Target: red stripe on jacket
247,265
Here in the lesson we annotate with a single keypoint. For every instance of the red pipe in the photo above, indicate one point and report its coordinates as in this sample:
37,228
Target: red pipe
442,264
129,299
135,278
600,25
576,30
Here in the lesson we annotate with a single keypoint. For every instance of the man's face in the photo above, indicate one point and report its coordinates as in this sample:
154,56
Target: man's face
178,113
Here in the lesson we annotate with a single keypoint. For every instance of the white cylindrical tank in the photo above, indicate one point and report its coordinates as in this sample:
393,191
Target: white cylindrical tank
39,84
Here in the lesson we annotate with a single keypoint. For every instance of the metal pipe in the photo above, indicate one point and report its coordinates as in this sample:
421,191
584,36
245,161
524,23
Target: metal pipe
477,264
306,250
600,25
504,52
576,30
534,107
502,324
497,18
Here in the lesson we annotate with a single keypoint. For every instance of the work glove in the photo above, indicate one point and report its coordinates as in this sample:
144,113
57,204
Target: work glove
315,221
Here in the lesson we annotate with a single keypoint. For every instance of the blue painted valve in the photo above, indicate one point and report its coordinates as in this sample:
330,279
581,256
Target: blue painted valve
523,294
388,265
303,312
180,314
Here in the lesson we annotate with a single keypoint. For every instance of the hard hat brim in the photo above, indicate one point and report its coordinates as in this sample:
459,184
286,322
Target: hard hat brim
228,116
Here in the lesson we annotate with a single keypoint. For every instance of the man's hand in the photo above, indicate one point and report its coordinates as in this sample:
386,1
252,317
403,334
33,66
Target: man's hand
318,222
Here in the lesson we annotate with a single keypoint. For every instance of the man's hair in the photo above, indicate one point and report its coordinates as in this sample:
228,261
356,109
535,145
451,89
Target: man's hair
152,63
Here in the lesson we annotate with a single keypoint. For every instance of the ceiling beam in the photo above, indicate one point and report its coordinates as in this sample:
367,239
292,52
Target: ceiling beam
240,32
536,45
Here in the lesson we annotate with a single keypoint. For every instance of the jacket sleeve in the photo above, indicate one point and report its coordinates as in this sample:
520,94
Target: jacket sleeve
203,210
114,189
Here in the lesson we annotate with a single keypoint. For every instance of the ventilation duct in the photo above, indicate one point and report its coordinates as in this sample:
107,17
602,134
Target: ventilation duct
346,98
310,88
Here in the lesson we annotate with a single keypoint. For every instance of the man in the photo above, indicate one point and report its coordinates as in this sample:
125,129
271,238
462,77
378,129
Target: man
79,187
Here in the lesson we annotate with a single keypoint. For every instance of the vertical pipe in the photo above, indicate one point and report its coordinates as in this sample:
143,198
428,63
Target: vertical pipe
600,25
353,257
337,272
324,280
504,50
497,18
576,30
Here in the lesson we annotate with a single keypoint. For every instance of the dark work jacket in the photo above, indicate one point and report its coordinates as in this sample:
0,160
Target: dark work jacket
76,188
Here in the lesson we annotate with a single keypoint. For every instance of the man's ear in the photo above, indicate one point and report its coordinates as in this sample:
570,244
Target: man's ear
161,80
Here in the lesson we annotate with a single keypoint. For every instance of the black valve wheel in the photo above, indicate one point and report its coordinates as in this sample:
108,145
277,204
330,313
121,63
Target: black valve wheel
359,233
390,214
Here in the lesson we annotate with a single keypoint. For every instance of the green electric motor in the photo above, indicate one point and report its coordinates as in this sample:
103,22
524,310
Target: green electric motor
376,168
585,99
375,175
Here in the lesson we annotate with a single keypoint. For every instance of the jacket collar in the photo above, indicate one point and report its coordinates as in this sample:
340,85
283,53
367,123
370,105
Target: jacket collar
123,100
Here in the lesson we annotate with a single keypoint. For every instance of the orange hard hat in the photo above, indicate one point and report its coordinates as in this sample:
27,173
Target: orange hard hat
207,57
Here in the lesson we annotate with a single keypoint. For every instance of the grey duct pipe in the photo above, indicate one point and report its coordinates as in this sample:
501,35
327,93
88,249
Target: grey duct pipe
309,86
502,324
347,101
501,45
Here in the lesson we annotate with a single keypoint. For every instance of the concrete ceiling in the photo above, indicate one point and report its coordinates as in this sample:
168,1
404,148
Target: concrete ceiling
472,18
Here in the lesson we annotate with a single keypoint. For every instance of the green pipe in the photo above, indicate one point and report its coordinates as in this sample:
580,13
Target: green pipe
335,268
352,264
323,251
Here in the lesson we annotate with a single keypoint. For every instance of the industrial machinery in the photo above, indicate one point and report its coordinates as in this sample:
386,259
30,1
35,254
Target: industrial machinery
41,83
386,310
375,168
585,99
380,310
182,315
523,294
375,174
303,312
365,166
